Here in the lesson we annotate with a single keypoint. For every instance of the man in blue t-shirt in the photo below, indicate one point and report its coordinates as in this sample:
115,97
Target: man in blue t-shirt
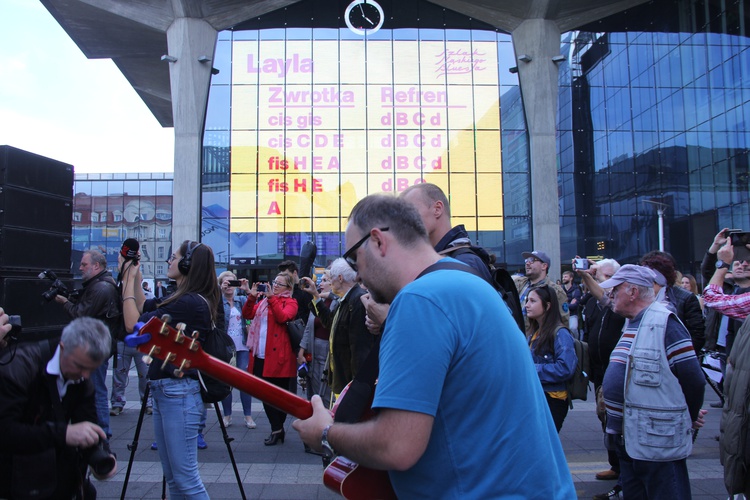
440,429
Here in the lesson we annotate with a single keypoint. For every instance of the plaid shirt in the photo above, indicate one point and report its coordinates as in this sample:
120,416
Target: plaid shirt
734,306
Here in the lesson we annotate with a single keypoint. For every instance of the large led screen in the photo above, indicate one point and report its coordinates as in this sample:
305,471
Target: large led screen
318,125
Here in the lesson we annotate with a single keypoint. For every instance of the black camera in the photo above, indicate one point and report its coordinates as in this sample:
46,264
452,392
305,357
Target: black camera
15,328
57,288
261,288
100,458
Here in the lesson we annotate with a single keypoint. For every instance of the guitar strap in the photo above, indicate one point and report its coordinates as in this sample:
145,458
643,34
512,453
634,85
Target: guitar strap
456,266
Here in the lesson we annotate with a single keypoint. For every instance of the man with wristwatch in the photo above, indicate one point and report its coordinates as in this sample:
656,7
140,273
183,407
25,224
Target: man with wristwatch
429,403
720,329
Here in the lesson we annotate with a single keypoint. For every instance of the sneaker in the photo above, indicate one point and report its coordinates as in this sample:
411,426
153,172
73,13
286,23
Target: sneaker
227,421
717,404
153,446
201,442
250,423
115,411
613,493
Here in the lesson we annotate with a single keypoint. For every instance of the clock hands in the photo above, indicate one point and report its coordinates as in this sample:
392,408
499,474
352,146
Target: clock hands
364,16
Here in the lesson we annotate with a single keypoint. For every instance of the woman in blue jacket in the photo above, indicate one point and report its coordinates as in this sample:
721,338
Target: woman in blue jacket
552,349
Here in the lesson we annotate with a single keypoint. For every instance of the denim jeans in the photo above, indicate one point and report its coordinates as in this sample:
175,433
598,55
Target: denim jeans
99,379
177,412
642,479
125,357
243,358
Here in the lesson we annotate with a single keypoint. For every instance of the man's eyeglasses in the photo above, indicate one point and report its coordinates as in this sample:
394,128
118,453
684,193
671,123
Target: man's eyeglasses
531,260
351,255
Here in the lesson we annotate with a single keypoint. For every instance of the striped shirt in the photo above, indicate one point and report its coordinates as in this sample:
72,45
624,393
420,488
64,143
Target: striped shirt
735,306
682,362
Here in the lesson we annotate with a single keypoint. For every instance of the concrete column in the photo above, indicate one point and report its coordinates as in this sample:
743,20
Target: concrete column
540,40
188,39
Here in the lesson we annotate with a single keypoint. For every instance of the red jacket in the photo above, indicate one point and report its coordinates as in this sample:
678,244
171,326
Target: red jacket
280,360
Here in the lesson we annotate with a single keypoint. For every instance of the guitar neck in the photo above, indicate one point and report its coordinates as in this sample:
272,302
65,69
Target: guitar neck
256,387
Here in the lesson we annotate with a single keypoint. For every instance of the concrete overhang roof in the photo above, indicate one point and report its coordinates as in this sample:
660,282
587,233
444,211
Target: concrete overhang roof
133,32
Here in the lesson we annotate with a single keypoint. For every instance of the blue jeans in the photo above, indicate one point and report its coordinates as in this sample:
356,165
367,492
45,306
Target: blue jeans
243,358
99,379
125,357
177,411
642,479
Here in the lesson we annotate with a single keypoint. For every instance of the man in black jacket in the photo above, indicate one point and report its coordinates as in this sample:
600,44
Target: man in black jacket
101,300
602,330
47,413
350,341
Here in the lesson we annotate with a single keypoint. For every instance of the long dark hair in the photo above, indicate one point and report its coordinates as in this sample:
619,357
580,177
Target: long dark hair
551,321
201,278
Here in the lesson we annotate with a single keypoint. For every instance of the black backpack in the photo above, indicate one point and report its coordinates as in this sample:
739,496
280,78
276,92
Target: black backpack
501,281
219,345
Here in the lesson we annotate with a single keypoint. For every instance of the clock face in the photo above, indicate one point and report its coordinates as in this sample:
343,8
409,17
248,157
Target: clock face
364,17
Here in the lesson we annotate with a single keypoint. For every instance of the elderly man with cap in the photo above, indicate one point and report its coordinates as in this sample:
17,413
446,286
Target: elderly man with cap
537,267
653,390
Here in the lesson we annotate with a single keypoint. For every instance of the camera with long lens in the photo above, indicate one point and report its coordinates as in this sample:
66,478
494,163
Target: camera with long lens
57,288
100,458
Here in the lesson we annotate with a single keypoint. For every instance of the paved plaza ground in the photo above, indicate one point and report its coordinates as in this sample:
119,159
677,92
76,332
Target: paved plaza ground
286,472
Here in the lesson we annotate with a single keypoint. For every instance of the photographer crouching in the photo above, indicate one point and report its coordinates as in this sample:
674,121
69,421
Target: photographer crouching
100,299
47,414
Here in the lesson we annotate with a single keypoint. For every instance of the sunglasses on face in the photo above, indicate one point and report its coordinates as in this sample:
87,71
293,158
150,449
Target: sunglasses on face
351,255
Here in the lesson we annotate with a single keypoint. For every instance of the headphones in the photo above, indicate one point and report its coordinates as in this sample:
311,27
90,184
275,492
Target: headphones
184,264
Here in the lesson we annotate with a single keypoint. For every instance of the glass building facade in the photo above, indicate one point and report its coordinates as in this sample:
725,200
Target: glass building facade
306,117
110,208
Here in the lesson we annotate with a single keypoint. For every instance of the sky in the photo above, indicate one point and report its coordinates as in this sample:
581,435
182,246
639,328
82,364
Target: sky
57,103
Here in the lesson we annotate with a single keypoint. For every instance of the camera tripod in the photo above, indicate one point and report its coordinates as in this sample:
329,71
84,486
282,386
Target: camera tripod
134,446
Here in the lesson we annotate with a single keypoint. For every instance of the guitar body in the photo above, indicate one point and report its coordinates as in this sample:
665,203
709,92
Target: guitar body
343,476
354,482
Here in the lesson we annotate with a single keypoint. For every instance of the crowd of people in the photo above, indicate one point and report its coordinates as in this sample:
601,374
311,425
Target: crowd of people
382,339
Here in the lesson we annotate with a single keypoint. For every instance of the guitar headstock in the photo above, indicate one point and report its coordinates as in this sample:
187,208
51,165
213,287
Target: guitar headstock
170,345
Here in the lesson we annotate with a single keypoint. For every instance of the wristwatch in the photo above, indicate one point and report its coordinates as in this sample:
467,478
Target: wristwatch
328,452
720,264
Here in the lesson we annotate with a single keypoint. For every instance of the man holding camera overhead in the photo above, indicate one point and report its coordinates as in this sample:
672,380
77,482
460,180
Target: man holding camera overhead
47,412
100,299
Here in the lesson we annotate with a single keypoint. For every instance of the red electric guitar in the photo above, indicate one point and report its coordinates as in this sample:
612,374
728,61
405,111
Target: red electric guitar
343,476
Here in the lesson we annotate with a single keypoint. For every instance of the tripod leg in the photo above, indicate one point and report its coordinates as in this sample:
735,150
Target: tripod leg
228,440
134,445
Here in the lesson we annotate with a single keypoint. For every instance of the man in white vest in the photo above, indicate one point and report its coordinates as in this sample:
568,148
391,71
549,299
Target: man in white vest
653,390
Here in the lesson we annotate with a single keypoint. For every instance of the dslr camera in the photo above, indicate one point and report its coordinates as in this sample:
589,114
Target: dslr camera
57,288
100,458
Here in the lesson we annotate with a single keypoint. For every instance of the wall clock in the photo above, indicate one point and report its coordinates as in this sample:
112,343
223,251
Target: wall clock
364,17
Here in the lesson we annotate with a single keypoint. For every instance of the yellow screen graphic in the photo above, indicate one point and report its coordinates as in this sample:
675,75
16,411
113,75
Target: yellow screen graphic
318,126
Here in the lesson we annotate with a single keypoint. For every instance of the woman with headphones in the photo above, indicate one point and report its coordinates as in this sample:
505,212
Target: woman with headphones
177,401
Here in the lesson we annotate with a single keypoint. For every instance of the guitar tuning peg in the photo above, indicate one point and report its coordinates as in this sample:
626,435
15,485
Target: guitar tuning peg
166,318
164,329
168,359
181,328
148,358
195,334
179,372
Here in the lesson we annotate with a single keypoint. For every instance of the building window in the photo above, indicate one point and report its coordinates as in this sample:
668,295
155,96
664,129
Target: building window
162,233
160,253
103,217
94,217
159,269
77,216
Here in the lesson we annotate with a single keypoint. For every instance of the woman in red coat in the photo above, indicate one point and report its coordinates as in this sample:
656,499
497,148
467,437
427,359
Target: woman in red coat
271,356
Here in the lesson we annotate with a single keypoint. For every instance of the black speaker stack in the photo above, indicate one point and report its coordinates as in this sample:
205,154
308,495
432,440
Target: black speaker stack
36,217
